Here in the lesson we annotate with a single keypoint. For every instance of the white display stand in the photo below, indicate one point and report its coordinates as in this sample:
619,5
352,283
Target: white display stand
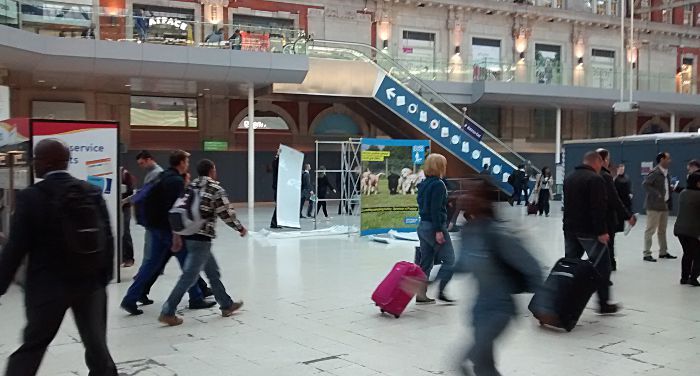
289,187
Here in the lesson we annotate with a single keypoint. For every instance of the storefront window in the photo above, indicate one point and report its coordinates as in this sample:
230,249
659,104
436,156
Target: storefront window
687,84
602,69
9,13
263,33
57,19
337,125
486,55
417,53
547,64
156,24
163,112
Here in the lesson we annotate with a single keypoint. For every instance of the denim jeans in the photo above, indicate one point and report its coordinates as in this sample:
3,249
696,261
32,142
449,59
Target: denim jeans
160,243
432,253
576,245
488,326
199,258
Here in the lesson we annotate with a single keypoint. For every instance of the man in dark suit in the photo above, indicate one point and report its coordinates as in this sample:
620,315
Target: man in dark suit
306,191
50,289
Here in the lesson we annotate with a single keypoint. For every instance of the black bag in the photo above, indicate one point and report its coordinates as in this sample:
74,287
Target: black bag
82,230
566,292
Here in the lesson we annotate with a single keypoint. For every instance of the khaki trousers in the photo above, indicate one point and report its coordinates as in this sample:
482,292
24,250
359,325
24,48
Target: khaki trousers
657,221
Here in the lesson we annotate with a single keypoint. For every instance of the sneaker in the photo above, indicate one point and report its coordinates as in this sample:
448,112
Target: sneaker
693,282
608,309
425,301
131,308
170,320
444,298
145,301
202,304
668,256
649,258
234,307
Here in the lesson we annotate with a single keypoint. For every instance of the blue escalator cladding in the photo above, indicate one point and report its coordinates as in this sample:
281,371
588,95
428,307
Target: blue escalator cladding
444,131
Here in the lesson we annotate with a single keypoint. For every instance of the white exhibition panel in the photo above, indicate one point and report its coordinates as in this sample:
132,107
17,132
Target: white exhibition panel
289,187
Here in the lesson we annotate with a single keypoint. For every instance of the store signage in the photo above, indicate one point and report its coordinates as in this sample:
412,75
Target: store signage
473,129
462,142
256,124
174,22
214,145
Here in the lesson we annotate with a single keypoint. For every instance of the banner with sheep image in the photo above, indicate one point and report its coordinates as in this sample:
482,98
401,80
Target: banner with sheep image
391,171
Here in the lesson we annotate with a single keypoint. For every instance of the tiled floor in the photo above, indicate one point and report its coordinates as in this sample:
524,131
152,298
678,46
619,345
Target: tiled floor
308,312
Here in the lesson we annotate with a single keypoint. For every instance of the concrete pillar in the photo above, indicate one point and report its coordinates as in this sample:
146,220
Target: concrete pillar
673,122
251,151
557,156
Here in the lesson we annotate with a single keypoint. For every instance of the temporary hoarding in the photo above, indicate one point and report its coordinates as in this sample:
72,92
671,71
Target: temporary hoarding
289,187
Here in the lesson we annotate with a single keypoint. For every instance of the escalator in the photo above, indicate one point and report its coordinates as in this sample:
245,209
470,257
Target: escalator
409,98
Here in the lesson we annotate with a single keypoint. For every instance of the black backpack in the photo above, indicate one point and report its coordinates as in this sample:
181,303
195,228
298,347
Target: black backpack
81,231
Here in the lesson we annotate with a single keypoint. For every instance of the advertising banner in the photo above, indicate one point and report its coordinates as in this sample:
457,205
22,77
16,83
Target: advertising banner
391,170
94,149
289,187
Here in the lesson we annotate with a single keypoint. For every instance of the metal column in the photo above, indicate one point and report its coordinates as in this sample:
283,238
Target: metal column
557,156
251,154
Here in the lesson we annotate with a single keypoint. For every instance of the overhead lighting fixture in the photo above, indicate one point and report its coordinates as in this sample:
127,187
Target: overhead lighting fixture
127,85
580,61
53,87
206,89
522,55
458,49
385,44
41,81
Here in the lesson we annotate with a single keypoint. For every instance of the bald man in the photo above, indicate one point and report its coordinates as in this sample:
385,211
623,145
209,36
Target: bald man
53,284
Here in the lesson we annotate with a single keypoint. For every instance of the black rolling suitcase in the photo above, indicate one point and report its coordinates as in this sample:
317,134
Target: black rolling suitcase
565,293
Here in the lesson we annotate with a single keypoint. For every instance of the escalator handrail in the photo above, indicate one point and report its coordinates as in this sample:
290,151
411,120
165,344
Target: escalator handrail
428,88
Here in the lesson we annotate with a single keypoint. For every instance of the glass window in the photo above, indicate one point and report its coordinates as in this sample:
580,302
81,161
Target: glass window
602,69
163,112
601,124
486,56
9,13
337,125
157,24
488,118
547,64
417,53
265,120
544,125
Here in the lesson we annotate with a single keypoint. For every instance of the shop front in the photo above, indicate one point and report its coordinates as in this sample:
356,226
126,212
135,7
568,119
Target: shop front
9,13
163,24
69,20
263,31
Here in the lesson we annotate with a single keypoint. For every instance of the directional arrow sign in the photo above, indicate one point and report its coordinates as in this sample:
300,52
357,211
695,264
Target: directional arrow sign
390,93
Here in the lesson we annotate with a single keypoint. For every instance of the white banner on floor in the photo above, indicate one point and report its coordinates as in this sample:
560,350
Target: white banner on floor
289,187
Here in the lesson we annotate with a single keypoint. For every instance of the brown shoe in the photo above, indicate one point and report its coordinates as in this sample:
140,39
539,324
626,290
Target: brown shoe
170,320
234,307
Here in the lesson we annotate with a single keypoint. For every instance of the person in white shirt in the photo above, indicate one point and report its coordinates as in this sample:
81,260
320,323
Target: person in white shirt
658,203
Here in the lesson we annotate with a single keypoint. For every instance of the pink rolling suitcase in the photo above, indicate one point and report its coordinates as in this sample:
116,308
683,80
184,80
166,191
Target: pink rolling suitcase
389,296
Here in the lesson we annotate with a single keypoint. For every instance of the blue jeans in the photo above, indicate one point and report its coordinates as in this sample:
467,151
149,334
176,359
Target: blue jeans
199,258
432,253
160,243
488,326
576,245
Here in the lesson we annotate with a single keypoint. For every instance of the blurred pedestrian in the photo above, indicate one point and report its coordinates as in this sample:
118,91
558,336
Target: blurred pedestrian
129,184
435,242
658,203
585,222
687,229
624,189
306,192
62,225
501,266
322,190
543,190
617,213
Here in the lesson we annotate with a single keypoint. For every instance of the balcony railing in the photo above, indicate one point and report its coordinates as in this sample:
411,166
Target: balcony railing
121,25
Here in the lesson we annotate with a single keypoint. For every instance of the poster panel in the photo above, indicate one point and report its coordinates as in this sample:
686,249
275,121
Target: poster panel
289,187
391,170
94,148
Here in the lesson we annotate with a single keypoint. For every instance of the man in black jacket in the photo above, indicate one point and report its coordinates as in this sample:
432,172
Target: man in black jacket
49,290
170,187
616,211
275,173
306,191
585,221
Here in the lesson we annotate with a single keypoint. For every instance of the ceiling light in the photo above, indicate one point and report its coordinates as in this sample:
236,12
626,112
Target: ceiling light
41,81
53,87
206,89
127,85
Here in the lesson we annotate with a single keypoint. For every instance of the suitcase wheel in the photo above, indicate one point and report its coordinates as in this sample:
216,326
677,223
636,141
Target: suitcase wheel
382,311
397,316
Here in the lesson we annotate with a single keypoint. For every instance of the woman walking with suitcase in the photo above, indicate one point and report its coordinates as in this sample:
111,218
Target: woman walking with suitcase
435,242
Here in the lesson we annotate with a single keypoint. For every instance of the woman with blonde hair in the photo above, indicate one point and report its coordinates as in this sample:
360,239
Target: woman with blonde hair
435,242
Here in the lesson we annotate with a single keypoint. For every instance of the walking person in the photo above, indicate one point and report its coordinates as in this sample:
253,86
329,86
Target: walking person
170,187
322,190
624,190
501,266
687,229
616,211
236,40
153,170
129,183
585,222
306,192
516,181
214,203
543,191
57,223
435,242
658,203
275,173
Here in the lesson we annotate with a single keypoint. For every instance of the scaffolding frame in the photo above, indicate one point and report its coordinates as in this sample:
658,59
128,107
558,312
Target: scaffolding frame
350,171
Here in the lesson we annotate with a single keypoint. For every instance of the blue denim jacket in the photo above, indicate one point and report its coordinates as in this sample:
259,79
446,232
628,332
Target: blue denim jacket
500,264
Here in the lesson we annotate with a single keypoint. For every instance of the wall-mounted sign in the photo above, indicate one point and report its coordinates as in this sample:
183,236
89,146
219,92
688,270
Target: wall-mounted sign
174,22
215,145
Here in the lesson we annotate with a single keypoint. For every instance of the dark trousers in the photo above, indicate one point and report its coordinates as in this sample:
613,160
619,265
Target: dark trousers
322,204
611,252
43,322
690,264
127,242
543,202
305,195
488,326
273,221
432,253
575,246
